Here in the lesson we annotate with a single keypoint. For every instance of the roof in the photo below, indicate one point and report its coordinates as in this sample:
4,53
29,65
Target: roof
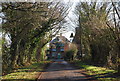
60,39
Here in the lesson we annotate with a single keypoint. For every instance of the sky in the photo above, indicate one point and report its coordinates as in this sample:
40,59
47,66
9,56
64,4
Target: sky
69,27
91,0
67,34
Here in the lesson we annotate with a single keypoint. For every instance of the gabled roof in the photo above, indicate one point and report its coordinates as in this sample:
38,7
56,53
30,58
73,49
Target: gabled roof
60,39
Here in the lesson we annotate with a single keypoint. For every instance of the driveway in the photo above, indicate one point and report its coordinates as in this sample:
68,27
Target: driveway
61,70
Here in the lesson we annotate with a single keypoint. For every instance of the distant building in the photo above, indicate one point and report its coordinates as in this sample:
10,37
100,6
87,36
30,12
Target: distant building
58,46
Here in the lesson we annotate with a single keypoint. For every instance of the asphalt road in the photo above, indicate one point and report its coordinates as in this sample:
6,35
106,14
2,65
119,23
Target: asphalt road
61,70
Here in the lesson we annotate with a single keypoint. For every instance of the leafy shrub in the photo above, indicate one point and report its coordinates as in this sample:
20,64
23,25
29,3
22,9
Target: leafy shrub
71,53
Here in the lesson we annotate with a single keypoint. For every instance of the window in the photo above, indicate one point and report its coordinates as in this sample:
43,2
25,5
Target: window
61,49
62,45
54,49
53,54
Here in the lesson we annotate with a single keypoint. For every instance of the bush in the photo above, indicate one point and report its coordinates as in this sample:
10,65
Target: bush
71,53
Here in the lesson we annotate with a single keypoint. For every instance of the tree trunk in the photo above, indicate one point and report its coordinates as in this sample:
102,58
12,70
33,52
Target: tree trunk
30,55
38,54
13,54
118,43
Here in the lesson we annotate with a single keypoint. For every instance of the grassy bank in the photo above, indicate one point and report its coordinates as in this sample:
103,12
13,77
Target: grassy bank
27,73
100,73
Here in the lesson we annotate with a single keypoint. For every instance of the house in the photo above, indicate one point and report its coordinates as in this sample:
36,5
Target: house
58,46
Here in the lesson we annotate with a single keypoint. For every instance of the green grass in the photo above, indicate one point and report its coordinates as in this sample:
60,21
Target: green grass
28,73
101,73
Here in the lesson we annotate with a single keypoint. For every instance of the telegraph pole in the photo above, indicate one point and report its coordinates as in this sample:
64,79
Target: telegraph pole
80,37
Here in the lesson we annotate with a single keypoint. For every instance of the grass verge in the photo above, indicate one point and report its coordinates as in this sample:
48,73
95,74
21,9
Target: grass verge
100,73
27,73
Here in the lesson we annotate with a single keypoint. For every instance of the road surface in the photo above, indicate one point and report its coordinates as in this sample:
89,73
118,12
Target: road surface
60,70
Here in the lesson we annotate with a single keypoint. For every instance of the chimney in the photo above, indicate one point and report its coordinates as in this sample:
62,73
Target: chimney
60,34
